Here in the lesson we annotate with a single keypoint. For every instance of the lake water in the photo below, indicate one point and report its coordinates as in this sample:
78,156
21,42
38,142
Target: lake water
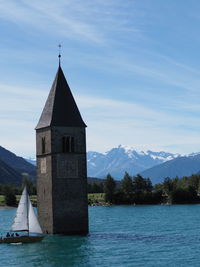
122,236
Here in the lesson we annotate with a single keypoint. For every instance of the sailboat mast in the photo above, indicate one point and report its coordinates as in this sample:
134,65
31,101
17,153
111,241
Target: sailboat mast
27,209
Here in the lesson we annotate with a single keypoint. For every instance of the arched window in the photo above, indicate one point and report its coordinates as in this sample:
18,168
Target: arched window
43,145
67,144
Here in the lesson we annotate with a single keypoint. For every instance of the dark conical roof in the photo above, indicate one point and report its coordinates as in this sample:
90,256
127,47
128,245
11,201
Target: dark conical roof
60,108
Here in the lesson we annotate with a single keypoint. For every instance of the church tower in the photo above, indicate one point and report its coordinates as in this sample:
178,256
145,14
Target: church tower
61,163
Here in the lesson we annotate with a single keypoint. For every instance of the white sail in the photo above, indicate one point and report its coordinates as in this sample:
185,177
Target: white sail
34,226
21,219
25,219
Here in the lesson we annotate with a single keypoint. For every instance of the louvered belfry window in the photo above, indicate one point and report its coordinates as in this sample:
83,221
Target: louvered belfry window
68,144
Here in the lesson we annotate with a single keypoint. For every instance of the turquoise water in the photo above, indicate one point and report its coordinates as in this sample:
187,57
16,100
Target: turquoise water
122,236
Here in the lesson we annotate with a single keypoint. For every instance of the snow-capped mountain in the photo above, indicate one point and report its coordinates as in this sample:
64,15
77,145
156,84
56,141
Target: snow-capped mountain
155,165
150,164
122,158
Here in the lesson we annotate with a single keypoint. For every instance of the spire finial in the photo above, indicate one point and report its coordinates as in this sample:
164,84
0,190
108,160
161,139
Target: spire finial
59,55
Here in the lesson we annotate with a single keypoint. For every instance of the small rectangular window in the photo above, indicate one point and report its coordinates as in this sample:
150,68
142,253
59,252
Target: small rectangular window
43,145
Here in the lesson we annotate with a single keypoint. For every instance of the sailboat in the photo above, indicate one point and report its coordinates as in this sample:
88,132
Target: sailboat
25,227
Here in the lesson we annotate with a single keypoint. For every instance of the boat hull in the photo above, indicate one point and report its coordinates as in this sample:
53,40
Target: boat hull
22,239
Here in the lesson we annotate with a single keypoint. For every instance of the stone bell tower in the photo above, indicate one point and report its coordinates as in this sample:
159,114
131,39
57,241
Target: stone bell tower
61,163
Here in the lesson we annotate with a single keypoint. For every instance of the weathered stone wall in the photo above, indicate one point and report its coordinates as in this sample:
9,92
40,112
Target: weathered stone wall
70,205
44,181
62,182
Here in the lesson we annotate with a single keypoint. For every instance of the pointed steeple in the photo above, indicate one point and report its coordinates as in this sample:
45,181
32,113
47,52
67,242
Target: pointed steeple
60,108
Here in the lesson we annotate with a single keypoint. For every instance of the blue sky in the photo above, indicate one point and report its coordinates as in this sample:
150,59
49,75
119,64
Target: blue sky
133,67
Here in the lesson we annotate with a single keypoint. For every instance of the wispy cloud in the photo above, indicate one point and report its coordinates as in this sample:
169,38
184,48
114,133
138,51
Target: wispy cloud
89,21
109,121
135,91
155,66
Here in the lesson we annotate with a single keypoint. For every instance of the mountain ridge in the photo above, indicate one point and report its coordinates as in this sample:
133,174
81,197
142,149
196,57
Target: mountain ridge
123,159
16,163
8,175
116,161
180,167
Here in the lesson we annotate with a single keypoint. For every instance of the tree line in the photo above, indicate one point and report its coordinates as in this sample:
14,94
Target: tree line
130,190
138,190
10,191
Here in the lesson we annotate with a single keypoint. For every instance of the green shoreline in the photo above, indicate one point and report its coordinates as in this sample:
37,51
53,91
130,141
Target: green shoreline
98,199
94,199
